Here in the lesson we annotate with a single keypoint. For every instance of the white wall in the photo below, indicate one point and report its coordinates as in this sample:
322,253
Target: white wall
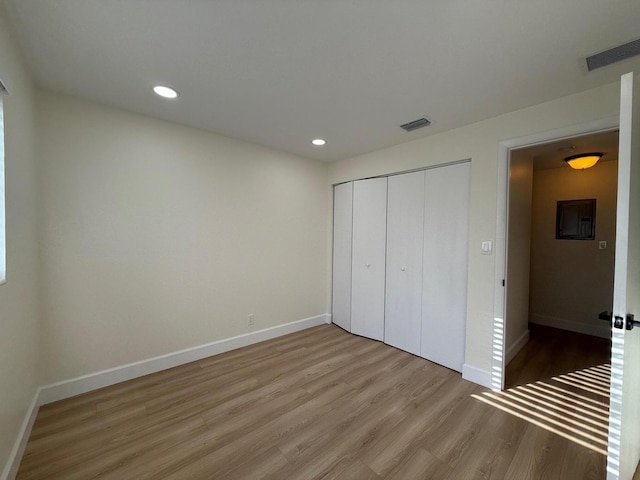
480,143
19,296
518,252
572,280
159,237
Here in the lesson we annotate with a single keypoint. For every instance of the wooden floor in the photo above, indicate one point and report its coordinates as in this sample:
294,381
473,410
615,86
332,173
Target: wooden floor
323,403
551,352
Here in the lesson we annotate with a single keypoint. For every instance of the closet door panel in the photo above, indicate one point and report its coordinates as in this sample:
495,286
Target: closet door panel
342,235
368,258
403,304
444,294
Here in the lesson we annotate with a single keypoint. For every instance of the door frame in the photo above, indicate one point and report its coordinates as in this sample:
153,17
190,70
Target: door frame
500,323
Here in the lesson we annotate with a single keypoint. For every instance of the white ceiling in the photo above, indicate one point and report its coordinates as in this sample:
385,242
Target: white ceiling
281,72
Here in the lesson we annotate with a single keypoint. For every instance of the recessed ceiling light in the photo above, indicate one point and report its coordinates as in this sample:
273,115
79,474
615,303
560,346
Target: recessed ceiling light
164,91
319,142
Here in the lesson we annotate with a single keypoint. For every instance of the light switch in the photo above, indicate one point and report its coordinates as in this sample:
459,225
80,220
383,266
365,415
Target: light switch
602,244
486,246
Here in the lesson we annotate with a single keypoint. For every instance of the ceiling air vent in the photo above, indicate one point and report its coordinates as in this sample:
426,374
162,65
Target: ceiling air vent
613,55
416,124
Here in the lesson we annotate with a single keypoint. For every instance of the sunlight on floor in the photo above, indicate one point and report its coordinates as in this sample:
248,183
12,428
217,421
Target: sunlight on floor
497,349
574,405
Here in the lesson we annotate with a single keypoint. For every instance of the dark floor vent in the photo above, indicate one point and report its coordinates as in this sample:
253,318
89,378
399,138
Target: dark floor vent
416,124
613,55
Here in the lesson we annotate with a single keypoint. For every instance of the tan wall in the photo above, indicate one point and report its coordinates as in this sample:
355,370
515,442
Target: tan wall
158,237
19,308
572,280
518,251
480,142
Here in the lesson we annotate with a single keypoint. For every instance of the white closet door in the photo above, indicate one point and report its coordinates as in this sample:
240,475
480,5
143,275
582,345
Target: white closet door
403,304
368,260
342,232
444,293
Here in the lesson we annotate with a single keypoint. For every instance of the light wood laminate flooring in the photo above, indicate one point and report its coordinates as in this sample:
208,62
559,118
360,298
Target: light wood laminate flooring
325,404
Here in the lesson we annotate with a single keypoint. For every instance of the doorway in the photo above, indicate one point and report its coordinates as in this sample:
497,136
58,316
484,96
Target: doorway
499,349
556,279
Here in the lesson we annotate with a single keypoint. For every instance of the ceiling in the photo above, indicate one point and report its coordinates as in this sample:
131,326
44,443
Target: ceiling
282,72
552,154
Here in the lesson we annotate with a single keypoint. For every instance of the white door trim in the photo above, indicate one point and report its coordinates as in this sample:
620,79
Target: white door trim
504,149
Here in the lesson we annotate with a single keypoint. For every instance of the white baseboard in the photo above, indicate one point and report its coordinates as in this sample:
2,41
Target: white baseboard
476,375
602,329
13,462
86,383
513,350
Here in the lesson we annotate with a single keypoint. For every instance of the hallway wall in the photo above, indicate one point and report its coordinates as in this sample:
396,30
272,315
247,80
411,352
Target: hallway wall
572,280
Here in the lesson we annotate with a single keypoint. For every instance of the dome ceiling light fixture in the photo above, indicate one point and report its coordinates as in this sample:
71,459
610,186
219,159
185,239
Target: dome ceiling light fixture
583,161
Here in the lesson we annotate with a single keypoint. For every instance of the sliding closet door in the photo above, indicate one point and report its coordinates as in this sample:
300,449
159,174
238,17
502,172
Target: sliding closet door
444,292
403,305
342,232
368,259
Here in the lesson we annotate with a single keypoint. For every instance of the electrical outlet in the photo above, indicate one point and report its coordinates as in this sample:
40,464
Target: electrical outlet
251,319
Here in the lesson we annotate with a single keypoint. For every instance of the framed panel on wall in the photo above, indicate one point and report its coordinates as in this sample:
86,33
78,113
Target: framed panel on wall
576,219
